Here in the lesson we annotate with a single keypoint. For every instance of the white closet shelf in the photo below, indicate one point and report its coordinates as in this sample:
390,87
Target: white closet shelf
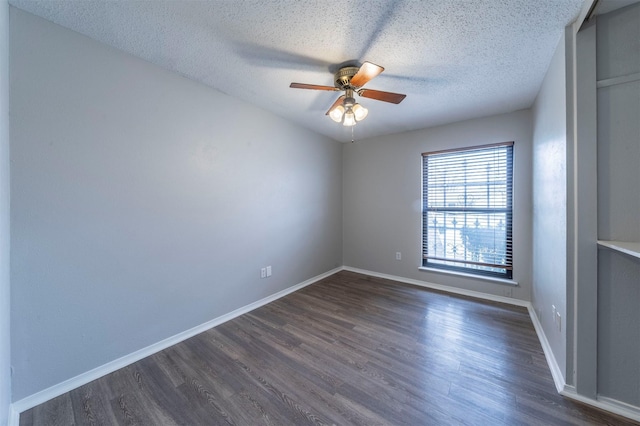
632,249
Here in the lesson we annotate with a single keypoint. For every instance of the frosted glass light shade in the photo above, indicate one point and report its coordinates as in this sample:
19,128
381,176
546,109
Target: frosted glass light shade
360,112
336,113
349,119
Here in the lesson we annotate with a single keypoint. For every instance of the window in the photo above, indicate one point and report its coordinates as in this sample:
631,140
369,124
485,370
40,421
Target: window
467,209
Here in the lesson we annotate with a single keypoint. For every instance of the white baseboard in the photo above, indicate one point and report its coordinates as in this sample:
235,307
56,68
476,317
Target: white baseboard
556,373
604,403
445,288
84,378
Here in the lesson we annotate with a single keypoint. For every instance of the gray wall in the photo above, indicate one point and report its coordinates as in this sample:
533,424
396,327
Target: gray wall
618,54
550,204
382,199
5,351
144,204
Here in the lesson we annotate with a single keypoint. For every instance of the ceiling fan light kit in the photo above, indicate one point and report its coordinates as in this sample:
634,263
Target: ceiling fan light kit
345,109
349,111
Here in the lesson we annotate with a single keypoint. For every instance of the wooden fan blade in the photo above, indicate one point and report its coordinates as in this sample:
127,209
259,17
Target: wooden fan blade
335,104
394,98
366,72
312,87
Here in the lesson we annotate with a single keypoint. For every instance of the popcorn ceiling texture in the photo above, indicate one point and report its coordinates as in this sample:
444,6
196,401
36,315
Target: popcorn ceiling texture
455,59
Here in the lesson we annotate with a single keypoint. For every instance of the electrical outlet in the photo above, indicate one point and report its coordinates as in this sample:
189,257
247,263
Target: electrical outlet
263,272
269,271
398,255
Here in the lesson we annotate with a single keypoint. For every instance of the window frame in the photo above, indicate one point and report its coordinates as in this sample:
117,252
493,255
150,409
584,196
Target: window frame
507,210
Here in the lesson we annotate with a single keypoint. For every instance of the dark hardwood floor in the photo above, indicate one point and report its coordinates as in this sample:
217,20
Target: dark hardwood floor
350,349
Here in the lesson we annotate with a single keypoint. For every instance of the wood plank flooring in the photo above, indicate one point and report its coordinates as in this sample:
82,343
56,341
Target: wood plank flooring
348,350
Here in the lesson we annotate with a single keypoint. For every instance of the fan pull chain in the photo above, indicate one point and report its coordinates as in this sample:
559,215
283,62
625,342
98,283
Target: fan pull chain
352,133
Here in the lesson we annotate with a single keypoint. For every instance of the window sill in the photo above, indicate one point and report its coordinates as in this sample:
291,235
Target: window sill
474,276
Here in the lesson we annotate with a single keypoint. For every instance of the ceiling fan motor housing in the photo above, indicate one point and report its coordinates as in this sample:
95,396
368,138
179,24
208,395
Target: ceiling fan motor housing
343,76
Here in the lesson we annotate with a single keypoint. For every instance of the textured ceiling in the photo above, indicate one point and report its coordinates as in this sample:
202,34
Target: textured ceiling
455,59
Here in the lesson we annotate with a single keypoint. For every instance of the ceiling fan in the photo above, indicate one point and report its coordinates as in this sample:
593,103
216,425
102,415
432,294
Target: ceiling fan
350,79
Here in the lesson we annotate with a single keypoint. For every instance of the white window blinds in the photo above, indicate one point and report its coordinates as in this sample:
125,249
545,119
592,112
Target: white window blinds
467,209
